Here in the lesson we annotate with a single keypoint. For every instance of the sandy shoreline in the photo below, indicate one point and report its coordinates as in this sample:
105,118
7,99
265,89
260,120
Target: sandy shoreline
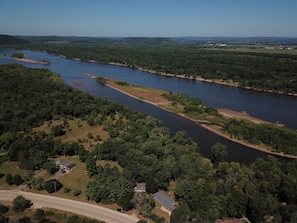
29,61
228,113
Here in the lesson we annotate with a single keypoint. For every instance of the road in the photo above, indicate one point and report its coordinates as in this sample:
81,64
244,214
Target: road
76,207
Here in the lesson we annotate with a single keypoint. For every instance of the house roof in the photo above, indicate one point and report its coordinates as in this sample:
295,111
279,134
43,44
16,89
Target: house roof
164,200
140,187
66,163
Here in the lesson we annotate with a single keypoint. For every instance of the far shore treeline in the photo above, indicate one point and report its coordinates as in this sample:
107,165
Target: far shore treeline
205,189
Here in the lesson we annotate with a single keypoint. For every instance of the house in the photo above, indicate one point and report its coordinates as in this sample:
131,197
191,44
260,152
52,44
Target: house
140,188
67,165
165,201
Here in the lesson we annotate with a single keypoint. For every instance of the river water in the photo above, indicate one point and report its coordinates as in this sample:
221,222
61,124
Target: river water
266,106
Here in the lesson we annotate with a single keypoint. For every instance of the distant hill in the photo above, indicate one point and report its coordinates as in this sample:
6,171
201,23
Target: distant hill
6,39
146,40
75,39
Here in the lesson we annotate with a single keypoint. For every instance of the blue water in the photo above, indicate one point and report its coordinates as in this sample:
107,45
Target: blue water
270,107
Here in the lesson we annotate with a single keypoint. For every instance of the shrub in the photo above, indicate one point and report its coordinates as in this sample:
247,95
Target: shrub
76,193
20,204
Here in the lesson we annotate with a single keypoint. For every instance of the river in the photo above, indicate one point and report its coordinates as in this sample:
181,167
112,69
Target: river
266,106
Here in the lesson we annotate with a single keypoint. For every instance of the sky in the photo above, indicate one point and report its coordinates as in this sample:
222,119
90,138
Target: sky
149,18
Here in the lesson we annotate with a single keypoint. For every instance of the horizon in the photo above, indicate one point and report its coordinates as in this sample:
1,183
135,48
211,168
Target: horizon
168,37
162,18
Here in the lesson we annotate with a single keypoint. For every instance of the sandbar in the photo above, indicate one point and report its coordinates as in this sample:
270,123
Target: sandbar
30,61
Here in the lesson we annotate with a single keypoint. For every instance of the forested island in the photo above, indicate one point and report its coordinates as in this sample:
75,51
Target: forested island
256,134
114,148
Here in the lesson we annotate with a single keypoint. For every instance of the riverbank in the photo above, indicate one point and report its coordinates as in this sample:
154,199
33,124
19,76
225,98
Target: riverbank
154,100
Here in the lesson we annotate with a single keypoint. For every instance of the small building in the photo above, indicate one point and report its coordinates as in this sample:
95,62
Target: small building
140,188
65,164
166,201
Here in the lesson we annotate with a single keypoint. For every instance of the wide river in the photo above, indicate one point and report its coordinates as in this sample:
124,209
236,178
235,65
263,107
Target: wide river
266,106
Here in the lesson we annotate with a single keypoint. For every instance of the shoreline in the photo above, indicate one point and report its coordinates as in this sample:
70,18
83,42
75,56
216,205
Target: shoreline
203,124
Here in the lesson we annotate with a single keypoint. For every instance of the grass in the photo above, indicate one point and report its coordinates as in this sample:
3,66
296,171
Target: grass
143,93
12,168
77,130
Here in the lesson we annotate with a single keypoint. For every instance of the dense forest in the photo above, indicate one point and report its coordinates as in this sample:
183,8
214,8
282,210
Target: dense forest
274,72
8,40
205,189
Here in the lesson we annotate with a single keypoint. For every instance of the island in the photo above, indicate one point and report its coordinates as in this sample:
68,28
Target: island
213,120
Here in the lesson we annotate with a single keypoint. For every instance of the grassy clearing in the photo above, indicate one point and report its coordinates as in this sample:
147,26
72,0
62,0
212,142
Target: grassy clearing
143,93
77,130
12,168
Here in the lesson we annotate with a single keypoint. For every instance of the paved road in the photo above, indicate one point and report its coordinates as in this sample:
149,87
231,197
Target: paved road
80,208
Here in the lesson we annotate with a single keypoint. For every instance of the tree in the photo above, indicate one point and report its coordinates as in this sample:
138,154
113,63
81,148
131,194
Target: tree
37,183
50,167
218,153
39,214
24,220
52,186
58,130
20,204
91,166
180,214
125,201
17,179
9,179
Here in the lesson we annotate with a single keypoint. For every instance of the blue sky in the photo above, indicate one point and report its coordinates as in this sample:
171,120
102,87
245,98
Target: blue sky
150,18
